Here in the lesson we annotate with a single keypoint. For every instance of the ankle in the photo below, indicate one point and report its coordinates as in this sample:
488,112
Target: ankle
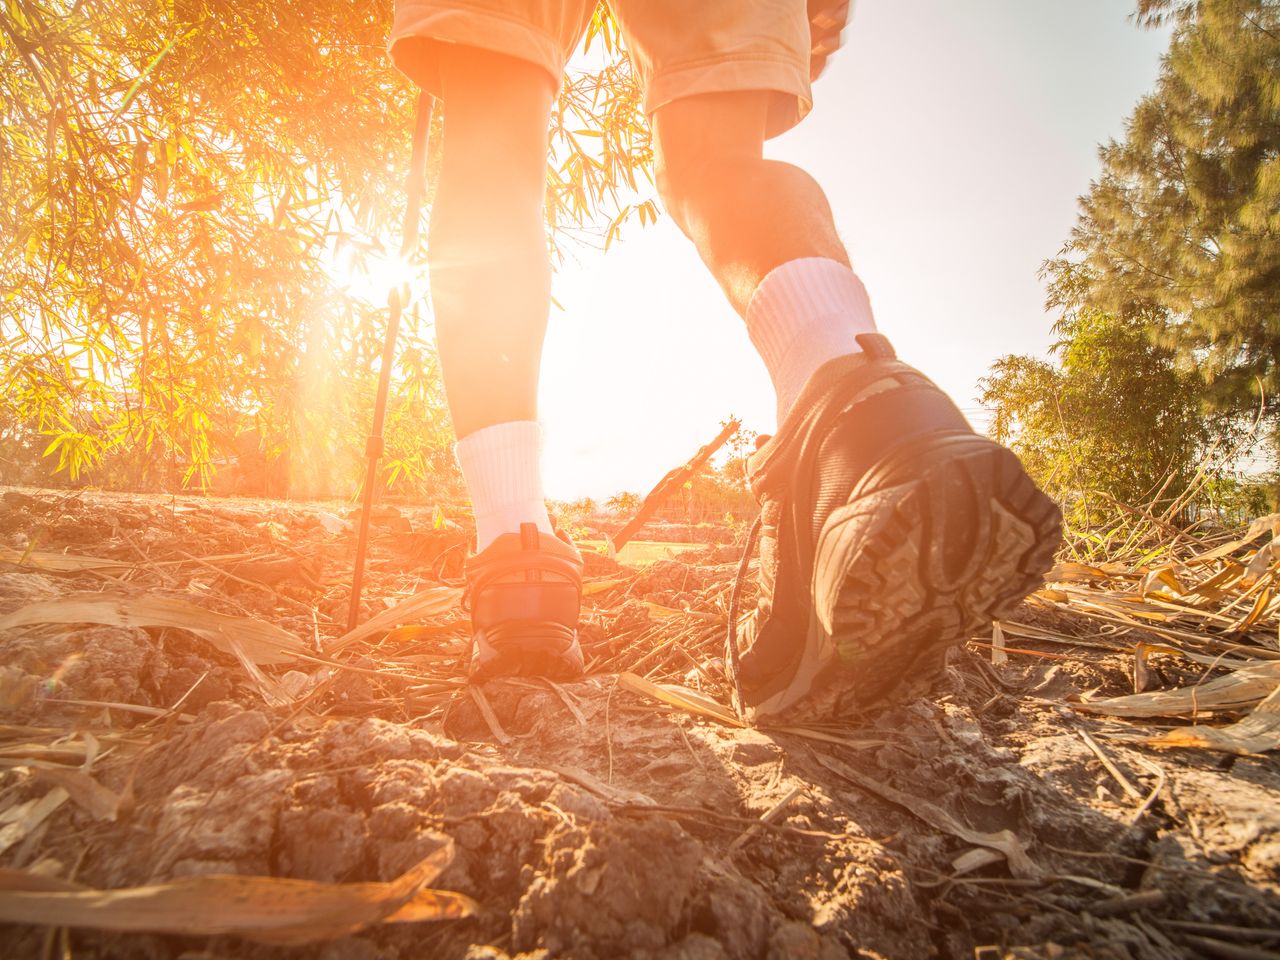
501,466
803,314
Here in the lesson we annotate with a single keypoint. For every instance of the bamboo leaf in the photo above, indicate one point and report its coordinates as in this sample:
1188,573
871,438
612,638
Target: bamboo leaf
691,701
429,603
1238,690
1256,733
270,910
262,643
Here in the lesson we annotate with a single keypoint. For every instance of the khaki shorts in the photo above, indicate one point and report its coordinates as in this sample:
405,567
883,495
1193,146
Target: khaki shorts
680,48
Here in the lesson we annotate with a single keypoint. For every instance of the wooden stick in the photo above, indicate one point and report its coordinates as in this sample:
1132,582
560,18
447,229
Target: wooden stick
672,482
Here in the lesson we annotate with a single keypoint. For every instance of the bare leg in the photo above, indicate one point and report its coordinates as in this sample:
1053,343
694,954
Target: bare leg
490,273
745,214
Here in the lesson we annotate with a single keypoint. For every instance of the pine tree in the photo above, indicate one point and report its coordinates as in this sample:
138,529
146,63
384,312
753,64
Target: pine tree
1183,225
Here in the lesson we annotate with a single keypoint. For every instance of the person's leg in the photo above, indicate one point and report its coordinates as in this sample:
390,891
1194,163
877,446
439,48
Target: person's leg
490,286
745,214
765,230
889,530
496,65
490,276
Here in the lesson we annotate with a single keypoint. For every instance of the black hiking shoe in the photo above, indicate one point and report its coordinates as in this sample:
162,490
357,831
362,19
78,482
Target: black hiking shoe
890,531
524,591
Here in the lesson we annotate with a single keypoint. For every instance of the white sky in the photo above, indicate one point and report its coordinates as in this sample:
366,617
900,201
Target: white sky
952,140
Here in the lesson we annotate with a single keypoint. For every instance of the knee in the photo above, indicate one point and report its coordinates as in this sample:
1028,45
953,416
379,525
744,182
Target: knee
682,180
702,189
489,195
705,146
493,152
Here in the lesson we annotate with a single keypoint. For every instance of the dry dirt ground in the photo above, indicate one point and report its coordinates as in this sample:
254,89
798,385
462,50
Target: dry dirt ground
973,820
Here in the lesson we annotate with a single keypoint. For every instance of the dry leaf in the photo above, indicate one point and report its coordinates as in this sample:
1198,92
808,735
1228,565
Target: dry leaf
998,657
1122,603
1238,690
1256,733
1161,575
1216,586
265,909
86,792
609,792
691,701
1269,523
17,687
1053,596
661,612
1141,674
1249,619
592,587
975,858
486,712
20,819
434,905
262,643
50,562
413,632
332,523
1005,842
429,603
1259,565
1071,571
61,753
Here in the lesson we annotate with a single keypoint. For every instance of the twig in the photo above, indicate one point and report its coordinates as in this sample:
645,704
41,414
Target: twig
669,484
728,819
1128,903
998,652
567,700
1155,791
112,705
770,816
1111,768
608,730
1251,934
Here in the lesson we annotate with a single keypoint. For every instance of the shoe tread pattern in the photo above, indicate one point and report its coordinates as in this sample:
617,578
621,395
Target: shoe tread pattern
915,568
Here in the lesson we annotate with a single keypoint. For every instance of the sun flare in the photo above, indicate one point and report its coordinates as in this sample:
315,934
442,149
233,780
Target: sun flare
367,275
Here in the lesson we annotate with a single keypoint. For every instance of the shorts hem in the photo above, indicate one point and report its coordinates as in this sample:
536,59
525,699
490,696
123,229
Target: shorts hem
781,76
485,29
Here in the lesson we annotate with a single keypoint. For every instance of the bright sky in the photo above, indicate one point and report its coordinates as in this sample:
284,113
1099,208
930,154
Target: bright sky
952,140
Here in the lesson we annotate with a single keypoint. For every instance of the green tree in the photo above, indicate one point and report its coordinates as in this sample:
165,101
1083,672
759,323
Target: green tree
1183,225
1114,416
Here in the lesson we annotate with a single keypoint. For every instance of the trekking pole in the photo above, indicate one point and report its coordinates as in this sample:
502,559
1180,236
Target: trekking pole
397,300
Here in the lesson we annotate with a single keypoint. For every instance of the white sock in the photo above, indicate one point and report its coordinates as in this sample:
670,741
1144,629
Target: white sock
803,314
504,477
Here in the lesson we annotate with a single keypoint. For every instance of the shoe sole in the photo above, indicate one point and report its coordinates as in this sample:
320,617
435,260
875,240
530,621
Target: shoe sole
921,558
533,657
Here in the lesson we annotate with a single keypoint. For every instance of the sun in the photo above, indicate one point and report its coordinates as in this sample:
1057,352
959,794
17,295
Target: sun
366,274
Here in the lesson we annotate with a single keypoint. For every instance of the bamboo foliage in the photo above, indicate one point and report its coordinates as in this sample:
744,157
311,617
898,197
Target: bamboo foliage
179,183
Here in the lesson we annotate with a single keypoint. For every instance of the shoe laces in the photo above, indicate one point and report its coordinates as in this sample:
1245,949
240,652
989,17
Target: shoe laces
735,604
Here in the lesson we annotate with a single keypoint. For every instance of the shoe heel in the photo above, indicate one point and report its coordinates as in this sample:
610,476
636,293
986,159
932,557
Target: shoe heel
934,544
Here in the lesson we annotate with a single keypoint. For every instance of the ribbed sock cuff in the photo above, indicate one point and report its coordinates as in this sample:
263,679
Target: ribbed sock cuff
502,467
804,313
